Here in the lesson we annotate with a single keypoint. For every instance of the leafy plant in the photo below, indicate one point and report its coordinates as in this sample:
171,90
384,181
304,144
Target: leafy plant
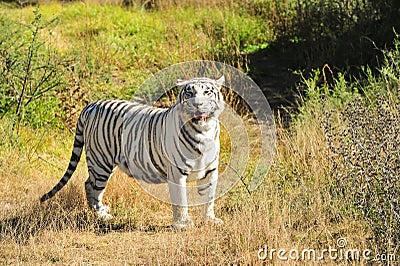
29,69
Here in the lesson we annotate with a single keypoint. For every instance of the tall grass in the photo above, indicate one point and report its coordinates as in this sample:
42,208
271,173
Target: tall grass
293,208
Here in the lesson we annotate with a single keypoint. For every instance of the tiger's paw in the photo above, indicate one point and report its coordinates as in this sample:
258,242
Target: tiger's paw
214,221
183,224
102,212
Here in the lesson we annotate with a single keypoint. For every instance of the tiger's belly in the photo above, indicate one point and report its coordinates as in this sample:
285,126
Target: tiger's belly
137,171
201,170
150,174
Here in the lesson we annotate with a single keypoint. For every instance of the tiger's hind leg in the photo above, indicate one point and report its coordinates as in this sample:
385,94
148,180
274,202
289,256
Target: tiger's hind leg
95,187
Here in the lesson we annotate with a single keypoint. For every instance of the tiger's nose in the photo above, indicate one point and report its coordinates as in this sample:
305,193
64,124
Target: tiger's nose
198,103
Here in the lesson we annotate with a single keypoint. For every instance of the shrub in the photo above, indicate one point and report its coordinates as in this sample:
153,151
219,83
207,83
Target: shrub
29,71
367,167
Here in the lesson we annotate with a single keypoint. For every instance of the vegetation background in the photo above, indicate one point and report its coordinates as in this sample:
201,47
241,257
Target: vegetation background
330,69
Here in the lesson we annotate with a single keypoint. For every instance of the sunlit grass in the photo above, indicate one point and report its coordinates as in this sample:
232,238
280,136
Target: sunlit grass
114,49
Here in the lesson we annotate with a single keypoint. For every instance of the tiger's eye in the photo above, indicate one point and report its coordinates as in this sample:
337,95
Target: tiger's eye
189,94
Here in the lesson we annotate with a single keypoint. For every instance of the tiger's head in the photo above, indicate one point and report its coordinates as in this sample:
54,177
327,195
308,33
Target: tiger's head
201,99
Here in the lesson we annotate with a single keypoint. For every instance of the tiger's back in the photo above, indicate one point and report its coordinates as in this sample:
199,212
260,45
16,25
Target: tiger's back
125,134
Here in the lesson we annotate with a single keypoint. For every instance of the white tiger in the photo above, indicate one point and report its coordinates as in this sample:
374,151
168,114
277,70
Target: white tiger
156,145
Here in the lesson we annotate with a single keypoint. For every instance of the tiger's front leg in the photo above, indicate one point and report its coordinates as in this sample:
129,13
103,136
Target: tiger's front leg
177,192
206,188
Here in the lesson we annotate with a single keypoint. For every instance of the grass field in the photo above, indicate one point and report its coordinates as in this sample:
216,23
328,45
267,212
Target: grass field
291,210
310,198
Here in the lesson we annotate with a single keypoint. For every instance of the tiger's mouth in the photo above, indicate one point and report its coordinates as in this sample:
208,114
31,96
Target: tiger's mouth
200,117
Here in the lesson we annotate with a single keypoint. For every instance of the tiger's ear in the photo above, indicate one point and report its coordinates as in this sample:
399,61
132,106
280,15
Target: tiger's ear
180,82
220,81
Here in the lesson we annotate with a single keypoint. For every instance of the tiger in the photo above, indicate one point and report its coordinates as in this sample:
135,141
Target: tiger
156,145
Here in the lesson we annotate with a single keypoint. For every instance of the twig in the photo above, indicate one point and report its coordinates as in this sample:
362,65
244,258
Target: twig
241,178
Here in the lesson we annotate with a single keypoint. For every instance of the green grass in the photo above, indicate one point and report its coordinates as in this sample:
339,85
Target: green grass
106,37
110,50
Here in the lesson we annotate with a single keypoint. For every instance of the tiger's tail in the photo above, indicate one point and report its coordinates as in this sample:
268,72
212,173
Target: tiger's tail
73,163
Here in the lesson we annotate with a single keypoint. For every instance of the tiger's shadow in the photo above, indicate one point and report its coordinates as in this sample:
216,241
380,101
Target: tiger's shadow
106,227
21,225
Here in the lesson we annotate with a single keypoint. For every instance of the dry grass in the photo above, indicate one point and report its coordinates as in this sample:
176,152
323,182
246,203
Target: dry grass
292,209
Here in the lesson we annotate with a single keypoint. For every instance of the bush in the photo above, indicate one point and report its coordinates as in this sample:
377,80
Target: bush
366,165
29,71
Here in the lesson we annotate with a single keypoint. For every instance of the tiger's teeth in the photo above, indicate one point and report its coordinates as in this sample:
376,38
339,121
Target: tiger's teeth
200,116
